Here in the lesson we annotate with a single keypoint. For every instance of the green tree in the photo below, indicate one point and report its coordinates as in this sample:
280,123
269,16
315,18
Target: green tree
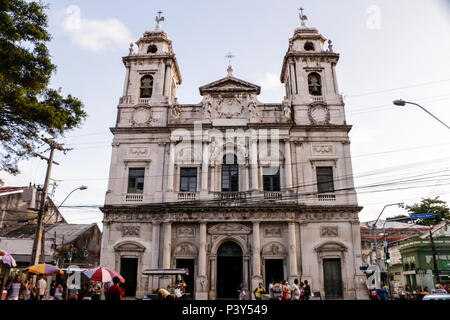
429,205
28,107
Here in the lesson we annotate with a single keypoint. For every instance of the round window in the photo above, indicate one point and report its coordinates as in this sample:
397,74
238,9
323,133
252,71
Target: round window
309,46
152,49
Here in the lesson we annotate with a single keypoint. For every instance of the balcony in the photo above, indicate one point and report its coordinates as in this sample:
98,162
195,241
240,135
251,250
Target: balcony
134,197
233,195
187,196
326,197
145,101
272,195
317,99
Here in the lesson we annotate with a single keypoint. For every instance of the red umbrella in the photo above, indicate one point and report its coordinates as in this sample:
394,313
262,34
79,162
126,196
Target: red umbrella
102,274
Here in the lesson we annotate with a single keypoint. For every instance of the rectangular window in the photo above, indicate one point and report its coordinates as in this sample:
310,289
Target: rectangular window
136,180
188,179
271,179
325,179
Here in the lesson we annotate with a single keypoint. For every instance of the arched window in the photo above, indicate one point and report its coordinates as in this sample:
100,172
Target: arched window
309,46
230,173
146,86
314,84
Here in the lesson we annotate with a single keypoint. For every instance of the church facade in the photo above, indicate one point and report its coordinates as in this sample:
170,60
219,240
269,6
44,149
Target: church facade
234,189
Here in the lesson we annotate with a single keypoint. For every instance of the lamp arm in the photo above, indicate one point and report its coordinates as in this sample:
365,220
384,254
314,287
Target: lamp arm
428,112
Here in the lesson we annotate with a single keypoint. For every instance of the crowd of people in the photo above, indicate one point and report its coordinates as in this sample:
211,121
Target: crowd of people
94,290
406,293
299,290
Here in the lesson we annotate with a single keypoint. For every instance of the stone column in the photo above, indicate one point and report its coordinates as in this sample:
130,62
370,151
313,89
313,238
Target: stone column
246,280
212,283
156,226
202,279
293,272
212,187
287,163
254,163
205,165
170,174
246,178
256,257
167,247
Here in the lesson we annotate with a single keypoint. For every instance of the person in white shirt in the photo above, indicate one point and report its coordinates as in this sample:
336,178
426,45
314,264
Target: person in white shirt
295,290
270,289
41,286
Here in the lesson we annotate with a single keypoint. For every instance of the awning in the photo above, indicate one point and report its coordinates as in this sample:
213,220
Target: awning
162,272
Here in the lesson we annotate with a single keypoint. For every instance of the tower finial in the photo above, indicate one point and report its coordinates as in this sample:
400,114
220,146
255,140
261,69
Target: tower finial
229,56
158,20
303,17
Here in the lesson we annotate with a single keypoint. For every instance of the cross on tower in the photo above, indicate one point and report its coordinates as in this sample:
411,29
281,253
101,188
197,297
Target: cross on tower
303,17
159,19
229,56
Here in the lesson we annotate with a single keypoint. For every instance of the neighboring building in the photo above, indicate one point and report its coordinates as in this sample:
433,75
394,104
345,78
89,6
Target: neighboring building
410,252
20,205
417,257
83,240
390,231
232,188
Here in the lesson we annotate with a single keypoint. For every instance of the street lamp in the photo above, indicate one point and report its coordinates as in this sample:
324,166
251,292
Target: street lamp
402,103
79,188
400,204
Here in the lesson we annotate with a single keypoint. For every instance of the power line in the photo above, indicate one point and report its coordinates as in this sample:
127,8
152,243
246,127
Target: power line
398,88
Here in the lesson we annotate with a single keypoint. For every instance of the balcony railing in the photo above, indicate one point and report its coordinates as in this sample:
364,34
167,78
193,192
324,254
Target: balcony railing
326,197
134,197
317,98
233,195
187,196
272,195
144,100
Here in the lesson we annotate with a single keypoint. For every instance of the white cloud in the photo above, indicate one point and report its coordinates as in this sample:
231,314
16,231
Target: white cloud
269,81
95,34
272,90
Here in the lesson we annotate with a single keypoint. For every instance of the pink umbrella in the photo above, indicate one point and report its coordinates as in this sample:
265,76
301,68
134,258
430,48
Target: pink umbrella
102,274
7,258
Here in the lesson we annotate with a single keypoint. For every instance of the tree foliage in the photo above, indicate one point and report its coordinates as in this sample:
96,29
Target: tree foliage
28,107
430,205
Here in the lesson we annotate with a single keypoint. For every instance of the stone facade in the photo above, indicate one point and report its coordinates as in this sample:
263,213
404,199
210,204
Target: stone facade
254,178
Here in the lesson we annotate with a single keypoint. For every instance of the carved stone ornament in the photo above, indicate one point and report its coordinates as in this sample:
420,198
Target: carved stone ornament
207,107
230,107
229,228
273,249
322,149
186,232
272,232
185,249
142,116
319,114
176,111
138,151
131,231
327,231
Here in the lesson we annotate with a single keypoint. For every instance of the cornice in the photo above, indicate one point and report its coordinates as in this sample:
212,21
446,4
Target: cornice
184,212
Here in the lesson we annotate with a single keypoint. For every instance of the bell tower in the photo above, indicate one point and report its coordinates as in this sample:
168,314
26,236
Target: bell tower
309,76
152,76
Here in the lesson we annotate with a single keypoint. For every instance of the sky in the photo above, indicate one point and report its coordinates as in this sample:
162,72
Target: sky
388,50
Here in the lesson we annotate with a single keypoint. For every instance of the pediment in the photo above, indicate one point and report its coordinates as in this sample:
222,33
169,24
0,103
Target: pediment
230,84
229,228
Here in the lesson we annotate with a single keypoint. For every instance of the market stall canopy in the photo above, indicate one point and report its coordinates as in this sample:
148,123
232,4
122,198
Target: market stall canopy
43,268
156,272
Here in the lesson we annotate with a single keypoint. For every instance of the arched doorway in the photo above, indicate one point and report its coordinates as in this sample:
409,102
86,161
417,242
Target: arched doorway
229,270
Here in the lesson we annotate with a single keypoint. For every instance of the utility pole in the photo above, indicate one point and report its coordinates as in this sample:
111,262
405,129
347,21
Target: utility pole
38,246
433,250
